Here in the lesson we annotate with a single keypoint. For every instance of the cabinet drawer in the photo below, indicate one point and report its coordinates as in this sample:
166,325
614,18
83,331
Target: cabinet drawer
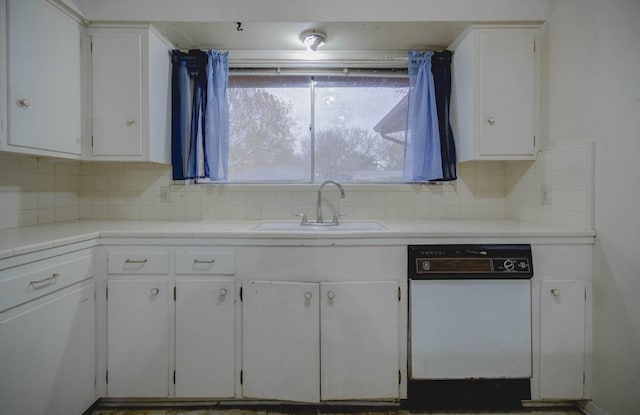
138,263
205,263
31,285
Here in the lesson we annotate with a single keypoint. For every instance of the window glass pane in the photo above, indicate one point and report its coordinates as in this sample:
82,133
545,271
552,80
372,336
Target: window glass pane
359,128
358,121
269,127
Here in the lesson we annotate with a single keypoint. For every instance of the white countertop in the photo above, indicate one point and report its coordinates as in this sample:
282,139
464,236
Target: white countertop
23,240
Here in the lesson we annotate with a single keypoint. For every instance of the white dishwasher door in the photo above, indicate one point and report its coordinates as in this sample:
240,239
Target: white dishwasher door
462,329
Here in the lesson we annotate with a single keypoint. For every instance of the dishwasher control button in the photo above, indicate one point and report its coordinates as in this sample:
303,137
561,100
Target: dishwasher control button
508,265
426,265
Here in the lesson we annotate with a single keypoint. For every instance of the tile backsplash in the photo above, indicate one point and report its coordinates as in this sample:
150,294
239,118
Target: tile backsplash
567,174
133,191
39,190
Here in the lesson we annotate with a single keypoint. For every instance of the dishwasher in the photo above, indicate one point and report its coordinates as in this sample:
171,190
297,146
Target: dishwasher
469,325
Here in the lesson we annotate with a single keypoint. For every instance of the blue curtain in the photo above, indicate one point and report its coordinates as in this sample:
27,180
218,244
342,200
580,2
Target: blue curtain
441,69
200,115
423,152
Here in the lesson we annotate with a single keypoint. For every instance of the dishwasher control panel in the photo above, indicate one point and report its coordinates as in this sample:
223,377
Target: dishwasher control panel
470,261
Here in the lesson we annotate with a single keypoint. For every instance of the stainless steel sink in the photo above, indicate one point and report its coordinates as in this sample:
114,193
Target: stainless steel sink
319,227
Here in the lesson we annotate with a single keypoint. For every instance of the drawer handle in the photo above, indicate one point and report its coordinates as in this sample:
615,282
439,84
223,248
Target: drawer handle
199,261
154,291
223,292
52,279
555,292
135,261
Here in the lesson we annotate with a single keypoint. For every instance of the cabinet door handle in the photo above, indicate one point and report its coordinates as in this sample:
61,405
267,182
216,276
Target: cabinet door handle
130,121
24,102
155,291
200,261
307,296
135,261
50,279
491,121
555,292
331,295
223,292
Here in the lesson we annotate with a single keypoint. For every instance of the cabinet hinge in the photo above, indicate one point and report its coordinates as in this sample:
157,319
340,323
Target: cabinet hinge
106,377
241,300
174,293
174,377
534,45
107,293
399,293
399,377
241,377
534,141
91,141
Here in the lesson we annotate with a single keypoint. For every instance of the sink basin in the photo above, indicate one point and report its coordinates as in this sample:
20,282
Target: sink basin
313,227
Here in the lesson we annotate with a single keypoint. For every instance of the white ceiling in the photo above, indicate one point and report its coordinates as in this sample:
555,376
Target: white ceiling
341,36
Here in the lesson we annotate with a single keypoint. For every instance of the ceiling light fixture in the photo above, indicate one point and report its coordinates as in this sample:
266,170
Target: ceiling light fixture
313,39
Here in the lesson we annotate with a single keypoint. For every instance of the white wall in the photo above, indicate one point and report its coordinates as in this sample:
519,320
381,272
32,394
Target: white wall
591,92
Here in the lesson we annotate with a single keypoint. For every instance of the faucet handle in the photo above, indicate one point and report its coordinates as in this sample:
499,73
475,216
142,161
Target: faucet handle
338,215
302,216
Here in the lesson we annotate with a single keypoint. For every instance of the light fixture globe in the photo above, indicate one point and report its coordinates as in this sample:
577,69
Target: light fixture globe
313,39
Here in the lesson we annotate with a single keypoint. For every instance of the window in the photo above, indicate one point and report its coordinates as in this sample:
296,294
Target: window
294,128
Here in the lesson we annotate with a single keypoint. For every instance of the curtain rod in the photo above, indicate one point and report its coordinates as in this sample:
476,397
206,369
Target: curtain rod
356,72
322,59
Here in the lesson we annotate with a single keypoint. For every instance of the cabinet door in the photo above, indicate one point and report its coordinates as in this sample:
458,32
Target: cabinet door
205,339
281,341
117,94
43,77
48,357
507,92
359,340
562,339
138,338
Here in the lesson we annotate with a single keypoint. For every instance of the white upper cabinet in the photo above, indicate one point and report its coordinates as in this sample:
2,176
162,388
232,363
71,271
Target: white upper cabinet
43,108
495,93
131,86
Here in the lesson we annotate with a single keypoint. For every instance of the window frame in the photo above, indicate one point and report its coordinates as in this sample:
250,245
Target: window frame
385,68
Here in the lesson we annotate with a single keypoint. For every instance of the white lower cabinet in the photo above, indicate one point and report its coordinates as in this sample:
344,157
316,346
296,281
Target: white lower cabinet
359,340
48,354
309,342
562,339
205,338
281,341
138,338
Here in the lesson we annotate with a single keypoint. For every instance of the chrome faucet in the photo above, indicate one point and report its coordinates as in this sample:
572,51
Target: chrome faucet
335,217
